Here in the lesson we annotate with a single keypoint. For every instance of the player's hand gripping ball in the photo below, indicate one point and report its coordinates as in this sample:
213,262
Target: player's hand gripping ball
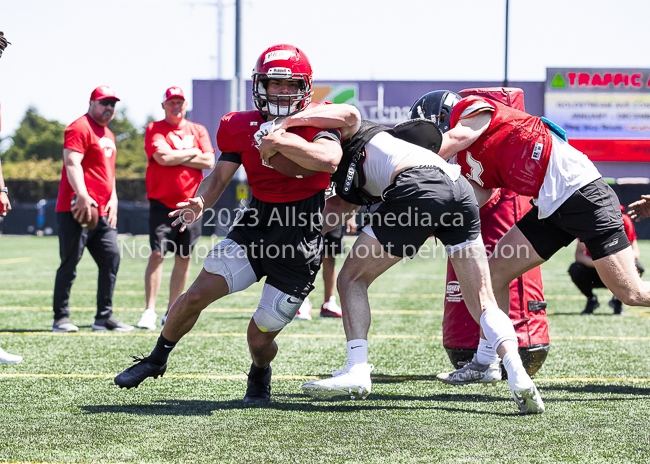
91,223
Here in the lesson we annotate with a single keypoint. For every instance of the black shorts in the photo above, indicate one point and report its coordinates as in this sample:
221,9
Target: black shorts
163,235
283,242
424,201
592,214
333,242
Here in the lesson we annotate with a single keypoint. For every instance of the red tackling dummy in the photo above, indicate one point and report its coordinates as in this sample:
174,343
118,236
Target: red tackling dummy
510,96
527,305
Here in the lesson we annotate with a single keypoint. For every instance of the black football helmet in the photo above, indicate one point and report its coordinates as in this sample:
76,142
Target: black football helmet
3,43
436,106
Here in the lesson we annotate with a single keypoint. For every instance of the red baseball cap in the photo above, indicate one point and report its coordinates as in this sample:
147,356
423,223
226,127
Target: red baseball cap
173,92
103,92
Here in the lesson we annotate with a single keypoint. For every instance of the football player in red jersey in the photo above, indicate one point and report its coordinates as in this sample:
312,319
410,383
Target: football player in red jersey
421,194
277,236
498,146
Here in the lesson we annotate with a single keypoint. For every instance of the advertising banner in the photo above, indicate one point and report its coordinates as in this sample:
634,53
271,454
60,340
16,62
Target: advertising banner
605,112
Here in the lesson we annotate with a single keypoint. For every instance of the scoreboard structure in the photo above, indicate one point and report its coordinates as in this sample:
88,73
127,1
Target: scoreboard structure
605,112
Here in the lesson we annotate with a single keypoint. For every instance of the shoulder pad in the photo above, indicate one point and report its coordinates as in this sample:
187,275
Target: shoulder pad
421,132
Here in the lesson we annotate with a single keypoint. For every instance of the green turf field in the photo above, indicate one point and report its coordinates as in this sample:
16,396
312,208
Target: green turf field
60,403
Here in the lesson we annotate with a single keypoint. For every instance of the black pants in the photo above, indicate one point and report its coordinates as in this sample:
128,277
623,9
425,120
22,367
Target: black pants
102,245
586,278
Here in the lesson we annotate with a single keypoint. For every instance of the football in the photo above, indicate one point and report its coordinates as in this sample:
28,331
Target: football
289,168
94,219
94,216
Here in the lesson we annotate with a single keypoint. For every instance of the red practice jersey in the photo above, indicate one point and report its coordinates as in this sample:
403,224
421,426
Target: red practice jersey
512,153
97,144
235,139
172,184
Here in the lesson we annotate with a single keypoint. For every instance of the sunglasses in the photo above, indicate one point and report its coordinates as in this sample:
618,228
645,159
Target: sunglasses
107,102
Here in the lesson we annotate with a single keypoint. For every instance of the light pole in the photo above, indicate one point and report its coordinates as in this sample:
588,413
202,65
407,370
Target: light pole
219,4
239,79
505,80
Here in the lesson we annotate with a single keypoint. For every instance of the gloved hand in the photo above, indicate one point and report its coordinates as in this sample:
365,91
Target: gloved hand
265,129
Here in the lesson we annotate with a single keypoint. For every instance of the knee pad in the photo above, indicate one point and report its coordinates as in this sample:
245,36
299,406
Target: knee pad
497,327
276,309
229,260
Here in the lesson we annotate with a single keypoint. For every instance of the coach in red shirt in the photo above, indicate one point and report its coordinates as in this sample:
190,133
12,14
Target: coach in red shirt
178,151
88,177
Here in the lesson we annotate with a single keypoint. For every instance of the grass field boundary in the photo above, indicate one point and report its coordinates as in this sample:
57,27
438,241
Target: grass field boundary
371,295
27,259
10,375
289,335
212,310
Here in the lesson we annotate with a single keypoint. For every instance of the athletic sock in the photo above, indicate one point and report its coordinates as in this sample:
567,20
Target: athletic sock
161,352
357,352
486,354
518,378
255,371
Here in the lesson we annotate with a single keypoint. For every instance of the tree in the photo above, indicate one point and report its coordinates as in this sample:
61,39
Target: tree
38,143
36,138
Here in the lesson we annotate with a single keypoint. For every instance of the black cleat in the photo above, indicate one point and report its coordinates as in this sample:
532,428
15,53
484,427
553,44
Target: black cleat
134,375
592,303
259,385
616,304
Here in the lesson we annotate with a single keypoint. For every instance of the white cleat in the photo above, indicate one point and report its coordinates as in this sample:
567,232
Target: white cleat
303,313
473,372
6,358
528,400
148,320
353,382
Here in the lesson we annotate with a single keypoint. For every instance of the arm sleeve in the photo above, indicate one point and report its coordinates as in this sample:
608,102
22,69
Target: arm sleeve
311,134
476,108
75,139
230,156
332,134
227,143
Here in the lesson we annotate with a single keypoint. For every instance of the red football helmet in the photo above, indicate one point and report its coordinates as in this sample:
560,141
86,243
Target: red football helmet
282,62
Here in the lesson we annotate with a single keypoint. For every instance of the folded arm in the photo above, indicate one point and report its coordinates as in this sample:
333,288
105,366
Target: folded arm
204,160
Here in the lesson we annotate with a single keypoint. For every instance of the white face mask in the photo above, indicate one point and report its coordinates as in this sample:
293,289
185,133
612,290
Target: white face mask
278,110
